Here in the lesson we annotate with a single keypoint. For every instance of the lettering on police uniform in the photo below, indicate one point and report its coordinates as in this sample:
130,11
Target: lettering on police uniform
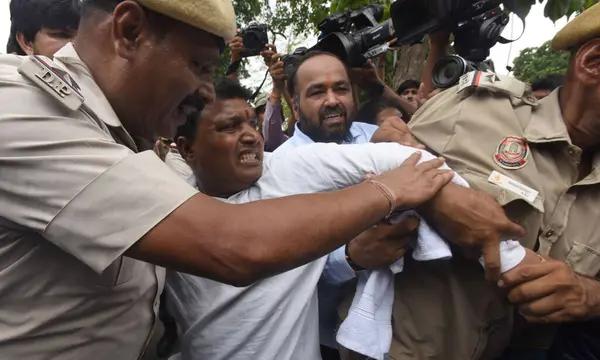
54,82
43,76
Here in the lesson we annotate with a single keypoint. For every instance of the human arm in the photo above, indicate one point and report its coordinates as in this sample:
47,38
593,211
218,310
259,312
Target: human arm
368,79
273,118
237,47
272,124
438,44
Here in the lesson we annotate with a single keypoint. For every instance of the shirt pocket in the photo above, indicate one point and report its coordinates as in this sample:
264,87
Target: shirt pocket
584,259
527,214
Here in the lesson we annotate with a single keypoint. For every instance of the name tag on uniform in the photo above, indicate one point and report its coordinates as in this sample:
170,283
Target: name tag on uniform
52,81
514,186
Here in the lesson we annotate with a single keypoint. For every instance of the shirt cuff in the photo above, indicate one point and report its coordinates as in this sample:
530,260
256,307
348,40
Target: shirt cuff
117,209
337,270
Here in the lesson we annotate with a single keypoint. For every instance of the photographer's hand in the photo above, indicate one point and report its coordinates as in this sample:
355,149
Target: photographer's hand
278,74
438,42
237,48
366,76
268,53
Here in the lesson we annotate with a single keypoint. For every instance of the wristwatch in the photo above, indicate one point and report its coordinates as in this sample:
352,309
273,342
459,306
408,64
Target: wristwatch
352,264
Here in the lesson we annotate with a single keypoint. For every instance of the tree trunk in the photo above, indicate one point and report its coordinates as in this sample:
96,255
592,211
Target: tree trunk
410,64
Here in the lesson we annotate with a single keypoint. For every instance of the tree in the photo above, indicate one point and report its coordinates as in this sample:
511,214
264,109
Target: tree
535,63
410,60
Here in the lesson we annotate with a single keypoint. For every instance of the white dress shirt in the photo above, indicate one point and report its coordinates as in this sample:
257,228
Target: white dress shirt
337,270
276,318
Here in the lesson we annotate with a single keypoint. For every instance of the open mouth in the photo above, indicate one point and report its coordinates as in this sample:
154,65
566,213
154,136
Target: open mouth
249,157
334,118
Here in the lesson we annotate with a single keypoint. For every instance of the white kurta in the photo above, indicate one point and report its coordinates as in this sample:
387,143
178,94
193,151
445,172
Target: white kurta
276,318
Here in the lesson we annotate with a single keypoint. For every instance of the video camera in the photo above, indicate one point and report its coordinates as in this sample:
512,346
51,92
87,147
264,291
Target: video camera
255,38
476,24
355,36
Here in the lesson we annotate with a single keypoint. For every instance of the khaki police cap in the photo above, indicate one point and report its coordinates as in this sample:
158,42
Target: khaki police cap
214,16
583,28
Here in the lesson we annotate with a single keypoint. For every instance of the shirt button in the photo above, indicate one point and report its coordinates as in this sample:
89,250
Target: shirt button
549,233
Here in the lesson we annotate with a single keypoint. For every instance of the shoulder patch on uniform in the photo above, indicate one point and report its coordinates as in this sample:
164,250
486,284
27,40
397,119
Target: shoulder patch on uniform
489,81
512,153
53,80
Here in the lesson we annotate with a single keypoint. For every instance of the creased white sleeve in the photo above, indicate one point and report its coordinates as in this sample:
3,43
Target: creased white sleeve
325,167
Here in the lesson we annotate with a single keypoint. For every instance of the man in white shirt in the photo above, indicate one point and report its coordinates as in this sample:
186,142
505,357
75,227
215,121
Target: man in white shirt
276,318
325,105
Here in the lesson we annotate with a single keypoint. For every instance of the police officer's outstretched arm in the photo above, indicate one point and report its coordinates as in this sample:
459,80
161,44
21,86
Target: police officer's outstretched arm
239,244
71,174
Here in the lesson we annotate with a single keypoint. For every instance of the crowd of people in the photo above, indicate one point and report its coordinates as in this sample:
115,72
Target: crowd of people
150,210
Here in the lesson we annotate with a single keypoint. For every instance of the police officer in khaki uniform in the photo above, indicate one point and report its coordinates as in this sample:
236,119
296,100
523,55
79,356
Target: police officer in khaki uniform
86,208
541,161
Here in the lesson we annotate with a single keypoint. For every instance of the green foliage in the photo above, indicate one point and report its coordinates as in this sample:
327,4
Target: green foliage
304,15
535,63
301,17
554,9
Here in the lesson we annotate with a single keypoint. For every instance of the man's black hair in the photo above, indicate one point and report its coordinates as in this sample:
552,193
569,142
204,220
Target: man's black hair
550,82
407,84
12,46
225,89
30,16
103,5
292,81
367,113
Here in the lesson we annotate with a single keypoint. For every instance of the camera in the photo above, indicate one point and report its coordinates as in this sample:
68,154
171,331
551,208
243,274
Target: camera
355,36
448,70
255,38
291,61
476,24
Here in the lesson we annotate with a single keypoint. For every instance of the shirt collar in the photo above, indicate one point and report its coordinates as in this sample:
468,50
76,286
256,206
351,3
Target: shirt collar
302,138
94,97
547,124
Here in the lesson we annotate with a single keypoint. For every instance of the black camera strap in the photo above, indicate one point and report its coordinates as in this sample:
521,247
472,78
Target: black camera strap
255,94
503,40
233,67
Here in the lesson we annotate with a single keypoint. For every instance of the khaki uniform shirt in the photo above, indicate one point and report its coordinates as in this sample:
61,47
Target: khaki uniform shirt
75,194
448,311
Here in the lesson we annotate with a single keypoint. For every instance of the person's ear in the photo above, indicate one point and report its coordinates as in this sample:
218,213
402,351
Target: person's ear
26,46
186,149
587,63
130,28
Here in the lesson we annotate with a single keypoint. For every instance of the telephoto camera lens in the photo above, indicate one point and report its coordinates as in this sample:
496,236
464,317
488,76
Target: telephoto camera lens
448,71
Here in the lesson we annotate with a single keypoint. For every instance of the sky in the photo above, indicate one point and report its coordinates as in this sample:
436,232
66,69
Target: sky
538,29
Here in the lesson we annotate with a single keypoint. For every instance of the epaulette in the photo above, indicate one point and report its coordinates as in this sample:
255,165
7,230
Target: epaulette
475,81
53,80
